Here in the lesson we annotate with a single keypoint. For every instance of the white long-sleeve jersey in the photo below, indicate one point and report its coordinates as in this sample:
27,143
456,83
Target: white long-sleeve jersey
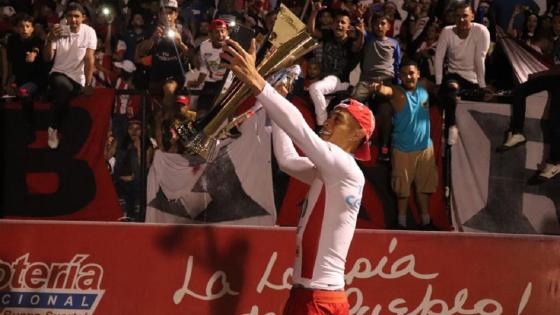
328,219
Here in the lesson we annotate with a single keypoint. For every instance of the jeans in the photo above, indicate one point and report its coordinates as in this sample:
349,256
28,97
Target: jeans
449,95
62,89
534,85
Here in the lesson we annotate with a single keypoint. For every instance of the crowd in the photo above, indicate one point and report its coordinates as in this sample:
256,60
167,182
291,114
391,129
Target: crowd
56,50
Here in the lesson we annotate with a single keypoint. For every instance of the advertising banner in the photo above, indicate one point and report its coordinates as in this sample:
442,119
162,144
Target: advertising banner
125,268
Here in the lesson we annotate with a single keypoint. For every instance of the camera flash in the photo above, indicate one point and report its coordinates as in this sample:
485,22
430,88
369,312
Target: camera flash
105,11
171,34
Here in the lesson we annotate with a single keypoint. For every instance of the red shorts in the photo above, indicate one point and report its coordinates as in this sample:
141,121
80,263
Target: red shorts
316,302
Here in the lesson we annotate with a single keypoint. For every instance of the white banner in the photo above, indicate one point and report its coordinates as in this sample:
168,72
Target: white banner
492,191
235,188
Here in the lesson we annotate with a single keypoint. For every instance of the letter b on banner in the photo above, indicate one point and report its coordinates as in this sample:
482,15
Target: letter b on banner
38,181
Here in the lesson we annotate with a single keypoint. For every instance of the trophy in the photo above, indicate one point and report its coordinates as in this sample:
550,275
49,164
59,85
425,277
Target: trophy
287,42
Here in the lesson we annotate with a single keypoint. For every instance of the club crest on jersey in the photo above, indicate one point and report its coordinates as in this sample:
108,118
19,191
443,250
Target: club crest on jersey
353,201
28,287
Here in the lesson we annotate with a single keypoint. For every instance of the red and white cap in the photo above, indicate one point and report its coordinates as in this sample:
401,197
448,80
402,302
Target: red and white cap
365,119
218,23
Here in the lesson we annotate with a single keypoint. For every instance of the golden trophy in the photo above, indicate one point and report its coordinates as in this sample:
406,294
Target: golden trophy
287,42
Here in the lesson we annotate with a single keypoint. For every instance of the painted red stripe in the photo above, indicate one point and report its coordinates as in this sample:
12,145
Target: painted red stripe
311,236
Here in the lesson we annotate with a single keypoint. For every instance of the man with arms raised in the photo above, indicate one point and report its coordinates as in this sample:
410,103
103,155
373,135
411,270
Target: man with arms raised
413,153
328,220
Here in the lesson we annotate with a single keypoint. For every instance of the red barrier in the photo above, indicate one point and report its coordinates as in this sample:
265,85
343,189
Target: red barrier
114,268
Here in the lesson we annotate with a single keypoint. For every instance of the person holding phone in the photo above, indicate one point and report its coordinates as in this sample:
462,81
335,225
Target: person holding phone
73,56
167,49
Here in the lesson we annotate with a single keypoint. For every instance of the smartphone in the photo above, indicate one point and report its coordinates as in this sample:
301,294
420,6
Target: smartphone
243,35
65,28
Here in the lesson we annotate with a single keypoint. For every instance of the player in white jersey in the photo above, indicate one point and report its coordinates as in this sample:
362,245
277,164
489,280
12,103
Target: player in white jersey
328,220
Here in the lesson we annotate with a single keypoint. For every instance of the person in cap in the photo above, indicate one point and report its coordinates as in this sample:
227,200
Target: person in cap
126,106
212,71
328,220
412,158
167,50
73,56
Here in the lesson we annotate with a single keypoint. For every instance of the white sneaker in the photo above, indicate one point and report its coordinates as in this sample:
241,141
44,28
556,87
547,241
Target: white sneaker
513,140
453,135
549,171
53,138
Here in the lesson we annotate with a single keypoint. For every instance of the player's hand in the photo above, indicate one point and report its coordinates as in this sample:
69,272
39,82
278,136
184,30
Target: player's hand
242,64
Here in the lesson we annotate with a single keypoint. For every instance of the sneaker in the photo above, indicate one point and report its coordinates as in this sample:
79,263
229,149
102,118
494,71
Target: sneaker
513,140
53,138
384,155
549,171
453,135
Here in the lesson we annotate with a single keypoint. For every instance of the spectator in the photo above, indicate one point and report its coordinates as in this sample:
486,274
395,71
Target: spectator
541,81
380,63
426,51
127,170
167,50
126,106
74,61
413,153
104,76
134,35
415,25
529,35
23,61
211,69
465,45
325,20
391,11
339,56
202,34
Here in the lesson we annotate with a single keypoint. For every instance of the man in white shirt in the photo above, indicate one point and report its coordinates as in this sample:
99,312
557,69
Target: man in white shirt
72,47
212,72
465,45
328,221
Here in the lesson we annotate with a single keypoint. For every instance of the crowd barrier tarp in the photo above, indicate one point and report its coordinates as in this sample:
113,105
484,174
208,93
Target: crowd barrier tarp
235,188
120,268
69,183
493,191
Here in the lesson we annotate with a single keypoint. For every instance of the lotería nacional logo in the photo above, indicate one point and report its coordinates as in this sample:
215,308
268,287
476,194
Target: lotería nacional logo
55,288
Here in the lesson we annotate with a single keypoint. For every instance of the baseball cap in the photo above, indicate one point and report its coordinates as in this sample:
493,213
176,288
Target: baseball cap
217,23
126,65
170,4
183,100
365,119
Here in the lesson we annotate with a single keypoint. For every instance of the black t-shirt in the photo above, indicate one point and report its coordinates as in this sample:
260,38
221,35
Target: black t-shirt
338,58
165,61
17,49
